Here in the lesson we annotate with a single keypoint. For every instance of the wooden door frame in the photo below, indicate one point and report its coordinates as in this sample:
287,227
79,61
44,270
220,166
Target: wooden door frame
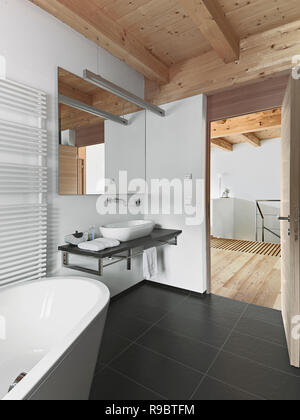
258,97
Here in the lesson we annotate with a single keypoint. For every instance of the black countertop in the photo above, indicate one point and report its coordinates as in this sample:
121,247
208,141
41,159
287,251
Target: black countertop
158,237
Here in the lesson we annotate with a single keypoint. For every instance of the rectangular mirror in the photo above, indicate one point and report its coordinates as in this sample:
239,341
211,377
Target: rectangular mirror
94,148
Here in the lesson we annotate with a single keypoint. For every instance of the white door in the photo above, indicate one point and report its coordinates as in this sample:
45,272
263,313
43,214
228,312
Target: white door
290,217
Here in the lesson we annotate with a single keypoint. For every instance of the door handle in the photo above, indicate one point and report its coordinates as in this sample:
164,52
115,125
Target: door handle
285,219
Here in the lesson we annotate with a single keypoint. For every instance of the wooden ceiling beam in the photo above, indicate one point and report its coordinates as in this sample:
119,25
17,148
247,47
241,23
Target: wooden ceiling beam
108,34
222,144
247,123
251,138
262,56
211,21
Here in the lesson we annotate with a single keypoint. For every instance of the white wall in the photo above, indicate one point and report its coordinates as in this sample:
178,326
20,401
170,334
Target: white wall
125,147
175,148
34,43
251,174
95,169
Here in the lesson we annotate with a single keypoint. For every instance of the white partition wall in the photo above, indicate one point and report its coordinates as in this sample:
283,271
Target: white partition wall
176,148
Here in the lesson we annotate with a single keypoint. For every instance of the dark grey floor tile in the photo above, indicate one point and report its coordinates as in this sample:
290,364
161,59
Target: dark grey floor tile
100,366
112,345
260,351
189,352
207,313
125,326
206,332
160,374
219,303
213,390
262,330
264,314
110,385
136,309
256,379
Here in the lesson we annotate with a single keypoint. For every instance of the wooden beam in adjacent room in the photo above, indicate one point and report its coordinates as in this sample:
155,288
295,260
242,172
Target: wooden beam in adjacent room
247,123
263,56
211,21
104,31
251,138
222,144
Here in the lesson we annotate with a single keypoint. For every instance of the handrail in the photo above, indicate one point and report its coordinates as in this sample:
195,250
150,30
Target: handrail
261,213
264,228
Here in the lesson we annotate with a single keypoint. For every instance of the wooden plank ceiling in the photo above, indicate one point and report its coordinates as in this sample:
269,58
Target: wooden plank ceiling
250,129
187,47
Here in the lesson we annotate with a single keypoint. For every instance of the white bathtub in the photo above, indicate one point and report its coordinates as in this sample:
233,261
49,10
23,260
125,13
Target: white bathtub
51,330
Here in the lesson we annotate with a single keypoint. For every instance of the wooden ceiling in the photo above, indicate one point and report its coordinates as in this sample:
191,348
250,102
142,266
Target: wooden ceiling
187,47
250,129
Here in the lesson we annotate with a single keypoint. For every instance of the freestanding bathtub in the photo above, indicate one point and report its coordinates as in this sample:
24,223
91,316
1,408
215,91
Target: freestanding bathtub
51,330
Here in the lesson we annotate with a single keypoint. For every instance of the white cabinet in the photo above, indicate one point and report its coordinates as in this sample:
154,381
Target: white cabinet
222,218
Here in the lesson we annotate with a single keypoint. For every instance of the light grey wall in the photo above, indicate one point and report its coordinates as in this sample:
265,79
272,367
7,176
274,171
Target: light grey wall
251,174
34,43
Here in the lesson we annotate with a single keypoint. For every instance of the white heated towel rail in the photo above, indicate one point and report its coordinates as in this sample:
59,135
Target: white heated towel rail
23,183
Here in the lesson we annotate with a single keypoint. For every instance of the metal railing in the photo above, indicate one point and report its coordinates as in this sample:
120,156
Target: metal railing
262,215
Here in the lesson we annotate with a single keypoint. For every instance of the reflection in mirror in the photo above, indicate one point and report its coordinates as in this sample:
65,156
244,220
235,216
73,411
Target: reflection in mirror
92,148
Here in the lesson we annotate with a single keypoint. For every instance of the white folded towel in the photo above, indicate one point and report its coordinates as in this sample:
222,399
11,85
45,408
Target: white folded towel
108,243
99,244
91,246
150,265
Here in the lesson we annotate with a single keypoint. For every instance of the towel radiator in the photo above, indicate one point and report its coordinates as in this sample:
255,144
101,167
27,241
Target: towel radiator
23,182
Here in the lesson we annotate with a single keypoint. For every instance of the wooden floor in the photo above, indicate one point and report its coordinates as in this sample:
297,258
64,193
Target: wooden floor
248,277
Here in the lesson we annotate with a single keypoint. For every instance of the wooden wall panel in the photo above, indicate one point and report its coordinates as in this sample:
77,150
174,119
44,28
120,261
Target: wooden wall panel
90,135
67,170
257,97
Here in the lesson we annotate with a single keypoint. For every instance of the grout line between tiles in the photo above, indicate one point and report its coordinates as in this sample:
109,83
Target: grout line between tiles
106,366
219,352
132,342
235,387
260,339
137,383
203,343
187,337
225,311
253,318
261,364
150,322
220,349
170,358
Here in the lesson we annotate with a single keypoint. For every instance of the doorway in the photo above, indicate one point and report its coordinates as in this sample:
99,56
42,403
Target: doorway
245,205
266,95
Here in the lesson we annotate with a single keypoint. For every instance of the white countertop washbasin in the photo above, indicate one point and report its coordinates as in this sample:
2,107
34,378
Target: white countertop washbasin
128,231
